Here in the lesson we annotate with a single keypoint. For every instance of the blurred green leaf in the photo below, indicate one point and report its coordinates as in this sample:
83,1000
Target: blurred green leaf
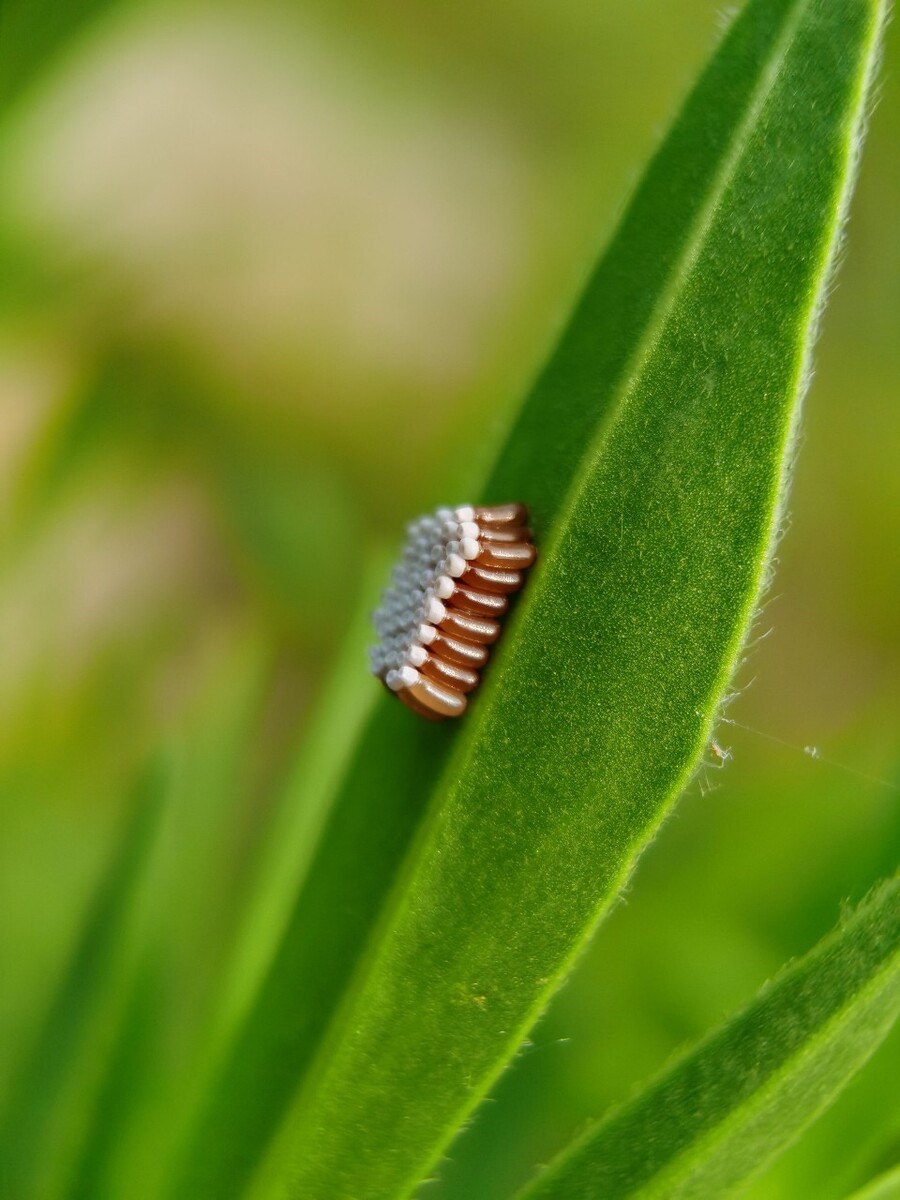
126,1087
193,908
653,452
33,33
55,1076
282,862
287,514
373,818
885,1187
300,813
722,1112
122,1086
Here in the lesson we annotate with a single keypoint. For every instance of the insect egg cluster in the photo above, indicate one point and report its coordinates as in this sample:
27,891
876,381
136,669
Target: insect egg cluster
439,616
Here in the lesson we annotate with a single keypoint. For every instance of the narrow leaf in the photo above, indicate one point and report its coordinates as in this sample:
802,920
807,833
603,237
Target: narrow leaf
607,684
33,33
46,1092
185,939
122,1086
885,1187
282,864
464,869
725,1110
307,917
328,925
300,812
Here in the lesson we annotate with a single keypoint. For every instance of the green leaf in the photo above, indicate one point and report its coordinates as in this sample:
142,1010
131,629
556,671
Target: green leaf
463,870
885,1187
33,33
152,1071
113,1073
283,861
55,1075
127,1068
299,815
372,822
721,1113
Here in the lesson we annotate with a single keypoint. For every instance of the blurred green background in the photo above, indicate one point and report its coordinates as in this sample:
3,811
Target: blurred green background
271,279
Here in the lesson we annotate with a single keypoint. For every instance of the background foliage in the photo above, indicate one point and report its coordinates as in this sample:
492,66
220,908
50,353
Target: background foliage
202,447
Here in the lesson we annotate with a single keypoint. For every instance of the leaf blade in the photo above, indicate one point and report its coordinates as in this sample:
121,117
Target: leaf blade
300,814
47,1090
884,1187
636,575
678,500
725,1110
252,1023
31,36
350,875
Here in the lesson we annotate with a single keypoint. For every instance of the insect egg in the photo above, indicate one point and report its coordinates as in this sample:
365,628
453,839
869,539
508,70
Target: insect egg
439,616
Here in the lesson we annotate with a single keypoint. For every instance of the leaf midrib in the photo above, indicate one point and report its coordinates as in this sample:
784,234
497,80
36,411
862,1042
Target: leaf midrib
631,371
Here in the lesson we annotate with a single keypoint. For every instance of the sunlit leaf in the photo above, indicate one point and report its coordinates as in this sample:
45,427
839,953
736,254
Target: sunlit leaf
721,1113
463,870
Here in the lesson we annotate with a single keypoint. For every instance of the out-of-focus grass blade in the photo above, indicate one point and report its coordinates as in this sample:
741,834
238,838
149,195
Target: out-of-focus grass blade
653,452
48,1094
885,1187
32,32
286,513
113,1109
725,1110
284,856
192,907
296,824
328,924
